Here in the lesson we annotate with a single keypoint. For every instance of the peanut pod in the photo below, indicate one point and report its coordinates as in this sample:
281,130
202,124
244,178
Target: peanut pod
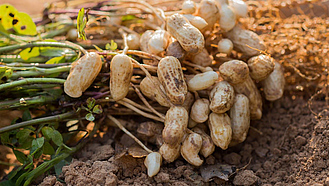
220,129
221,97
188,7
176,121
196,21
120,75
274,84
202,81
260,67
189,37
174,49
153,162
158,42
209,11
171,77
208,146
170,153
190,149
240,118
82,74
245,41
203,58
200,110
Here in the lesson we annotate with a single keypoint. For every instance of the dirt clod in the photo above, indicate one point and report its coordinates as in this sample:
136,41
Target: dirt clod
245,177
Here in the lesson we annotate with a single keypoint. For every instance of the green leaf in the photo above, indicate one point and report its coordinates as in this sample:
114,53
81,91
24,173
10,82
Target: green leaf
27,53
37,144
48,149
7,183
56,60
97,109
26,144
112,46
90,103
5,139
81,24
57,138
20,156
7,15
24,136
24,25
5,74
128,17
26,115
47,132
90,117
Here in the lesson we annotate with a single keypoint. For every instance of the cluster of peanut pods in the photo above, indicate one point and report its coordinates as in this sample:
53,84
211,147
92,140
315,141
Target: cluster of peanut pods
195,122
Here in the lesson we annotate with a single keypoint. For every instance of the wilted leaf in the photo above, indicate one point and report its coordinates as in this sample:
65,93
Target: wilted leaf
27,53
7,14
137,152
81,24
5,74
112,46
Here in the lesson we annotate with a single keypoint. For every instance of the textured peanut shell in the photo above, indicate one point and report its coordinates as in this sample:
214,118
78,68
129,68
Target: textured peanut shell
274,84
209,11
176,121
190,149
170,153
240,118
158,42
208,146
202,81
120,75
200,110
82,74
153,91
225,46
234,71
221,97
189,37
171,77
203,58
220,129
260,67
241,38
249,89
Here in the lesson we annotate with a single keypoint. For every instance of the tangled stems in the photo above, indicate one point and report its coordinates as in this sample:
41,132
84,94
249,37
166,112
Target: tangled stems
28,81
55,118
41,44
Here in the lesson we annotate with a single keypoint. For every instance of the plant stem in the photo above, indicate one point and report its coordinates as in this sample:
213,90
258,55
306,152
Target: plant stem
28,81
35,71
128,133
38,44
25,102
20,66
55,118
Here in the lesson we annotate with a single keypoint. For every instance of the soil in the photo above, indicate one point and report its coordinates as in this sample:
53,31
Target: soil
288,146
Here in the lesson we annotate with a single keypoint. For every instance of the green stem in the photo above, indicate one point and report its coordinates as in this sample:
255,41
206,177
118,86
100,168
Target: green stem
19,66
17,58
35,71
55,118
28,81
38,44
25,102
9,36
